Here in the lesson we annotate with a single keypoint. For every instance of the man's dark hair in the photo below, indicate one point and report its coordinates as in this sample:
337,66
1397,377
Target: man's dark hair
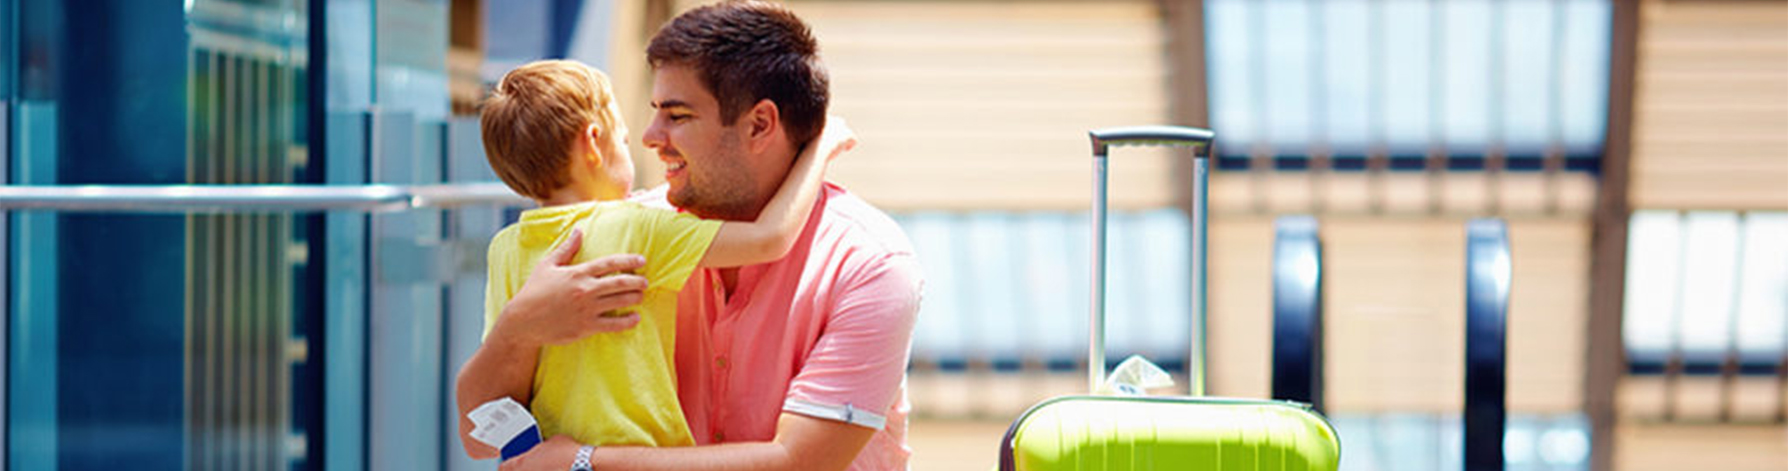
746,51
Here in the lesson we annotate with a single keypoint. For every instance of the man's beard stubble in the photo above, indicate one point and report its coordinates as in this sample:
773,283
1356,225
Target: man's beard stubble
723,188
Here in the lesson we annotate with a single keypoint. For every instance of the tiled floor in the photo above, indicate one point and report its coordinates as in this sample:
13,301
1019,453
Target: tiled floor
955,445
1699,447
1422,442
1395,442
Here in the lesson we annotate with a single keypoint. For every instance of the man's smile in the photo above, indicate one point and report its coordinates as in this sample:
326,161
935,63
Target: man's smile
672,166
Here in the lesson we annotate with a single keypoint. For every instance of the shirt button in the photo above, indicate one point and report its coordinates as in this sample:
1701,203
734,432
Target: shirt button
719,437
720,363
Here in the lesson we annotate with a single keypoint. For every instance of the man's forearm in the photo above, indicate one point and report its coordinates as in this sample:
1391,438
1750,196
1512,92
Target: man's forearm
801,443
499,368
755,456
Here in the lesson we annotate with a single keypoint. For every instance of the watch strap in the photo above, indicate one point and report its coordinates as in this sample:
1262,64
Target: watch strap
582,461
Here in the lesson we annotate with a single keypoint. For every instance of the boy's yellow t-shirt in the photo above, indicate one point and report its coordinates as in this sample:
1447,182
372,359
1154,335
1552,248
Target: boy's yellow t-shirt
613,388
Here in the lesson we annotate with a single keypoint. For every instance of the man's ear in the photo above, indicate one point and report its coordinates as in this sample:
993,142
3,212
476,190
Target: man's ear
765,120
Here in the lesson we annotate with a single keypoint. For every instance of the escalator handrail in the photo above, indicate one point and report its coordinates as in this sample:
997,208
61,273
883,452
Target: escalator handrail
1297,311
1487,278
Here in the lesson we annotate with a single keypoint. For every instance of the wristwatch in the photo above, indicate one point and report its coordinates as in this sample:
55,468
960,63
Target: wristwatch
582,462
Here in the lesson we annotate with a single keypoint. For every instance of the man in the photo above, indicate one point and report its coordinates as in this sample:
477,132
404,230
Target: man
794,364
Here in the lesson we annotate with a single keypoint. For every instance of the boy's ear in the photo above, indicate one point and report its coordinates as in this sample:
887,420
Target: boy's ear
766,123
592,140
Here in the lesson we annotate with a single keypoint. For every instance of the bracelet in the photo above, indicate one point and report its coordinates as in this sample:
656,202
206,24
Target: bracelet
582,462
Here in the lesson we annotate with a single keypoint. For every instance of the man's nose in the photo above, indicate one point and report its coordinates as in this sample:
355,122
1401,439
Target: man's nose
654,137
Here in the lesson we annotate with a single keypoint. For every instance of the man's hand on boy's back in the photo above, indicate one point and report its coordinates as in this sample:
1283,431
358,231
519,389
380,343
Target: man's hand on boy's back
564,302
561,302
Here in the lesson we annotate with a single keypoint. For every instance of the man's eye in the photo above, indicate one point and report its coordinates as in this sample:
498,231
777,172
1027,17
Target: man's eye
679,117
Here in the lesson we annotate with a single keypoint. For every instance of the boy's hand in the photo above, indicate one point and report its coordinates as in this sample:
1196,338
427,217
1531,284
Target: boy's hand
562,303
837,138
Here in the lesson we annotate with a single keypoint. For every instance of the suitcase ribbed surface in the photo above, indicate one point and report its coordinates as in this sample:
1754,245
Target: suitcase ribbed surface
1104,433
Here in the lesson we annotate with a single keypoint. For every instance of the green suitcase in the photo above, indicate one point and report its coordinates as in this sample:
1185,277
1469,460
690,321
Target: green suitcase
1117,433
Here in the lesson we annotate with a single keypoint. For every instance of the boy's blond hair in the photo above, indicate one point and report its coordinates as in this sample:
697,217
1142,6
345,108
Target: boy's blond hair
535,115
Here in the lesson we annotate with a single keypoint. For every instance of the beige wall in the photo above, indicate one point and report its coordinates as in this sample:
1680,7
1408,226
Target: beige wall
633,84
1711,112
986,104
1403,194
979,104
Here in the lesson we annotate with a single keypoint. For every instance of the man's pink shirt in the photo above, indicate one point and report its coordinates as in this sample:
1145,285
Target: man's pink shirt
824,332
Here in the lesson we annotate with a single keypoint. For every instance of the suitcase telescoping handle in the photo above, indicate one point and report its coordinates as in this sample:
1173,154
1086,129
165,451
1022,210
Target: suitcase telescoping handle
1200,140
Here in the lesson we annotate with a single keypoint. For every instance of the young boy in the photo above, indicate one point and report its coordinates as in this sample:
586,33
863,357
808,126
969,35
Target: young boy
553,133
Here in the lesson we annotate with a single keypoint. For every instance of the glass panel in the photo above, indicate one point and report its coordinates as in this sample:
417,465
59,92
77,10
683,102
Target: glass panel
8,59
1654,249
1287,77
215,323
189,314
408,276
1762,310
343,252
32,340
8,56
1704,285
1707,286
245,60
411,49
406,375
1009,288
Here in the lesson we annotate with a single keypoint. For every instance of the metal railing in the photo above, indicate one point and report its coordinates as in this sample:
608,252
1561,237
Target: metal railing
242,354
215,199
